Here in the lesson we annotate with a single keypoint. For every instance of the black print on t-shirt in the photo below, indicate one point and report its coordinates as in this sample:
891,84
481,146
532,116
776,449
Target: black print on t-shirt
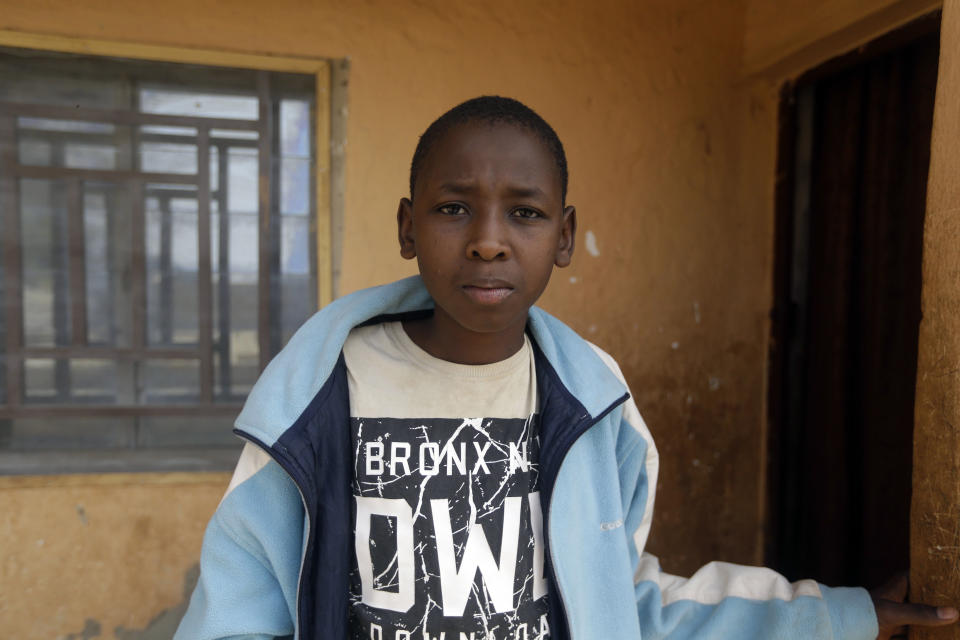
448,530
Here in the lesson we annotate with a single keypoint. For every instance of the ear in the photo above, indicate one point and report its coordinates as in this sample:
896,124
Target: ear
567,235
405,229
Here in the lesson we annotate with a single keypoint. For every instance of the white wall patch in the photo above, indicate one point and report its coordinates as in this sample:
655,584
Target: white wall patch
590,240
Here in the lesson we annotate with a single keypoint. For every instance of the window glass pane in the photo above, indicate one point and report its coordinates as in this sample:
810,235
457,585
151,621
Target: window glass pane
244,362
214,175
243,248
149,131
107,256
232,135
168,157
295,186
46,380
73,144
119,248
170,382
298,290
244,356
71,381
198,103
53,81
46,303
295,129
28,125
93,381
34,152
172,262
242,190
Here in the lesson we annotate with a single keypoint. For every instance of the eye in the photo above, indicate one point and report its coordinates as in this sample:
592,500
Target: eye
526,213
452,209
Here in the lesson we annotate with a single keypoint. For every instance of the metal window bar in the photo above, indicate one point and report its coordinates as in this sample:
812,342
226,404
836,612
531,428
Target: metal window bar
13,297
204,270
265,228
223,271
71,319
77,259
166,271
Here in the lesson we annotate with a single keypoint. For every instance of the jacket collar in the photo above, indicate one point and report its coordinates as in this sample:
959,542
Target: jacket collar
297,373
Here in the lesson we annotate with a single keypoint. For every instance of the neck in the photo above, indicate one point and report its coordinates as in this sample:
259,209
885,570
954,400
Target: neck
441,337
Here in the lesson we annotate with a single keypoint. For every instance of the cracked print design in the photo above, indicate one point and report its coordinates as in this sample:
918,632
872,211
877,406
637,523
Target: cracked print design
449,535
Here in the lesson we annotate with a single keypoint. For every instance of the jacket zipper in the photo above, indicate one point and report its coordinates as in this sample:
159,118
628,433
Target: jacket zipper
306,513
553,560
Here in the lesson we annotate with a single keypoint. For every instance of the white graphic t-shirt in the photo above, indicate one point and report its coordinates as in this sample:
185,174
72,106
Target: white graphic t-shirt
448,526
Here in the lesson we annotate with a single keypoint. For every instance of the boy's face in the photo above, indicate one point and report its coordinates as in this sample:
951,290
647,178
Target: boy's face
486,225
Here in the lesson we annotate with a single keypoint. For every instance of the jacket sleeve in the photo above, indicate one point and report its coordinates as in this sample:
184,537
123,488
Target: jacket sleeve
722,600
249,562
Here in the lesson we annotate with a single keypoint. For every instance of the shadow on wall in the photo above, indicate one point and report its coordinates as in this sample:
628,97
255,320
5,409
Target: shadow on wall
161,627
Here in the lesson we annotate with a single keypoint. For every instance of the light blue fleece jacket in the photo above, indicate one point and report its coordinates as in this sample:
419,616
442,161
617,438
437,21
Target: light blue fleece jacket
255,582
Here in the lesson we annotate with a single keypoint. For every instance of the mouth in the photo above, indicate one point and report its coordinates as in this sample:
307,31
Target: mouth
488,293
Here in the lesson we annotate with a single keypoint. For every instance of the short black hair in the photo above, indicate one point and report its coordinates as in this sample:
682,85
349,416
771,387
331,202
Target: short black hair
491,110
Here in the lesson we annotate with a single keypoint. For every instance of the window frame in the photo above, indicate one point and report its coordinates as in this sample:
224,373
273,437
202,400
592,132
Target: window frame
320,69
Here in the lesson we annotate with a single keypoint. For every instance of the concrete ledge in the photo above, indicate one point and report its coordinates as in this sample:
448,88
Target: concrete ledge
52,463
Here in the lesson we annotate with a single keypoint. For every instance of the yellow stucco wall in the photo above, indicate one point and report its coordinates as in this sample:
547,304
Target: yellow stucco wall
99,552
672,154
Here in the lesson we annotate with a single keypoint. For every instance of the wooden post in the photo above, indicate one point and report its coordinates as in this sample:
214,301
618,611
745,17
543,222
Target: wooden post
935,512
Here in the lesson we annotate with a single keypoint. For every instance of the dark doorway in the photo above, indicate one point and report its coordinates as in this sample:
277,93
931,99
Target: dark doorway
854,154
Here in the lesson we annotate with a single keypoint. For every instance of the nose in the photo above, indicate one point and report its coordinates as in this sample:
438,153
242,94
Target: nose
488,238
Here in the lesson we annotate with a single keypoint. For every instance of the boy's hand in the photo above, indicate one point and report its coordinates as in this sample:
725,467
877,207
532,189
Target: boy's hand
895,615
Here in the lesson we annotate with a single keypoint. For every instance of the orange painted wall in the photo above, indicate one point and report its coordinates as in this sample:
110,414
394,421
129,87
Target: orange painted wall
672,155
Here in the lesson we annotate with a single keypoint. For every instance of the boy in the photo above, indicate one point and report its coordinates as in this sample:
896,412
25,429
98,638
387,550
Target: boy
439,459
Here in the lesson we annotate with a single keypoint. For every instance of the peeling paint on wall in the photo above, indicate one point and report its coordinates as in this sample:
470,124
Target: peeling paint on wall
91,629
164,624
590,241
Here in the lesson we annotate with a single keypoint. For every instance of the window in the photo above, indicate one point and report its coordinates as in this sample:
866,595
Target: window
157,250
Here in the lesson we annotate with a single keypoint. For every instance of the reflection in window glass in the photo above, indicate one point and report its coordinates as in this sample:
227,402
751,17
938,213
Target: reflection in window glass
73,144
46,309
40,381
112,264
93,381
107,258
227,134
166,157
73,381
295,186
243,171
150,130
295,130
172,263
298,290
170,382
195,103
